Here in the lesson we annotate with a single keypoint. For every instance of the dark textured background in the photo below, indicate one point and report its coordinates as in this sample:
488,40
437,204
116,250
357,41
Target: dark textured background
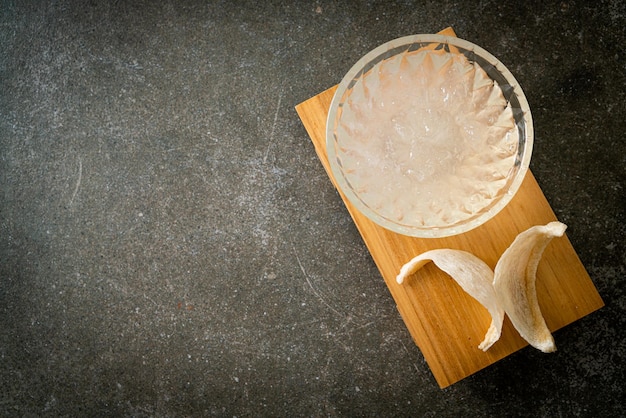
171,246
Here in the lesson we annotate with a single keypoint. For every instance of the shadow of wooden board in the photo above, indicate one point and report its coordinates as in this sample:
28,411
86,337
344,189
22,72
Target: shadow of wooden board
446,323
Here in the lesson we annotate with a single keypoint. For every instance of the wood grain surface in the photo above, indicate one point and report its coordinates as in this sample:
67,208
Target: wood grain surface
446,323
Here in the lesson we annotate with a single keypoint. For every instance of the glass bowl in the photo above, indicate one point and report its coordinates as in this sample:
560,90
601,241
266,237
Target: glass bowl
429,136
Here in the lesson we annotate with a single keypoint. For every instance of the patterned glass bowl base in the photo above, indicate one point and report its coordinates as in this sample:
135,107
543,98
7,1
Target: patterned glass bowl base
429,135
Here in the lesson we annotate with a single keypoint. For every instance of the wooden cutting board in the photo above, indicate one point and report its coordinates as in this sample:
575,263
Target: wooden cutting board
445,322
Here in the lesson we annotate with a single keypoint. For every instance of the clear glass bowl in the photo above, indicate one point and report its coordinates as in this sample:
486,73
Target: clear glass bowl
429,135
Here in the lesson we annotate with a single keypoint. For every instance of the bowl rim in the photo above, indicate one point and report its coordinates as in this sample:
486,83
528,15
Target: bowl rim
383,52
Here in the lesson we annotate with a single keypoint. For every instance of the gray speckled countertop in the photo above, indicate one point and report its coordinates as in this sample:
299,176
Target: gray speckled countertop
170,244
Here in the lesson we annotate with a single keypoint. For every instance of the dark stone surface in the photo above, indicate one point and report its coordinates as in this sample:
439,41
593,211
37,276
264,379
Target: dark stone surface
171,246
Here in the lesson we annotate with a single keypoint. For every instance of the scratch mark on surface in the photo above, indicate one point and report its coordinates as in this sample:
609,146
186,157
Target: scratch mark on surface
409,354
80,176
365,325
271,137
306,277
